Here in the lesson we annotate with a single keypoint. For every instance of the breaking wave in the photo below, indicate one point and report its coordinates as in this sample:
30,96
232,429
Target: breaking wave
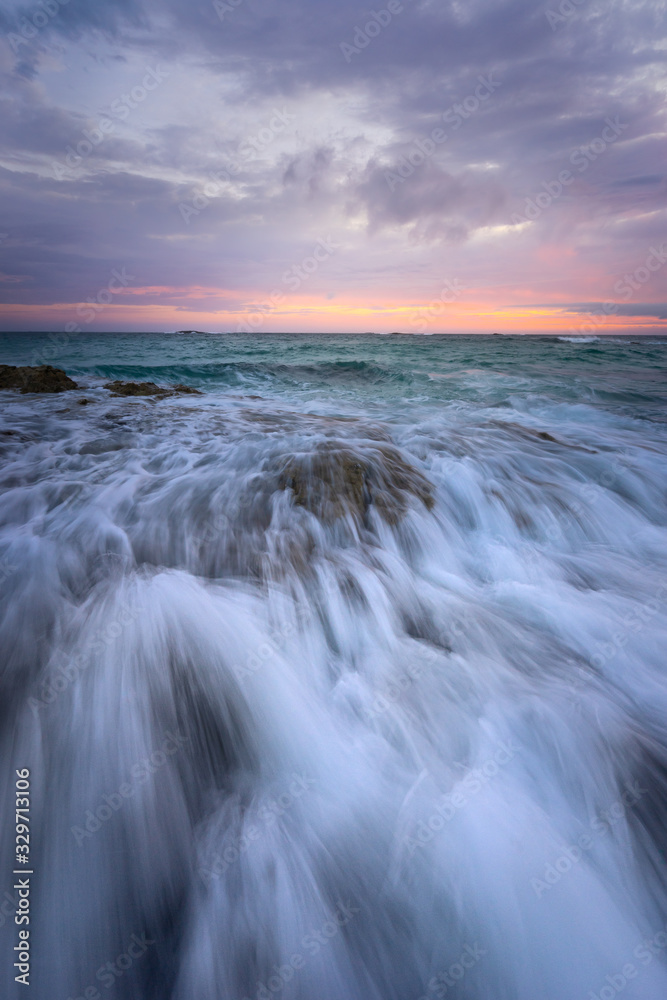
363,702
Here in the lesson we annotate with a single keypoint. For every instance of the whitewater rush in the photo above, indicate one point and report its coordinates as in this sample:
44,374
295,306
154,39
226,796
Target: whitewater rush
22,885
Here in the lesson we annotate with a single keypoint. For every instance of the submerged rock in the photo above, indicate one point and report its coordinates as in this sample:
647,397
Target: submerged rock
43,378
186,389
335,481
149,389
134,388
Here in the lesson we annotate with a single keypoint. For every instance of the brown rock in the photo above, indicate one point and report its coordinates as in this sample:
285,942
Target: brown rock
149,389
335,481
186,389
43,378
134,388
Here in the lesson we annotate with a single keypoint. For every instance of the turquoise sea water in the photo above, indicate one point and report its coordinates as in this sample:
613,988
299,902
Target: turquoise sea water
346,370
344,679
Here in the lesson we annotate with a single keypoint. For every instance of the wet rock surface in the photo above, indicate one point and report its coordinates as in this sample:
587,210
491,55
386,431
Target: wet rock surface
43,378
118,388
337,480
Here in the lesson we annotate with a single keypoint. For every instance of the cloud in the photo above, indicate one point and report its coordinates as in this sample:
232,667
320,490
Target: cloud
657,310
355,123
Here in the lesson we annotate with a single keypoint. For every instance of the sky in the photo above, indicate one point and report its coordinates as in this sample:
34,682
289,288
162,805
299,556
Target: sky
426,166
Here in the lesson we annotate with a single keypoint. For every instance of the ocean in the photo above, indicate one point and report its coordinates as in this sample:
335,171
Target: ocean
343,680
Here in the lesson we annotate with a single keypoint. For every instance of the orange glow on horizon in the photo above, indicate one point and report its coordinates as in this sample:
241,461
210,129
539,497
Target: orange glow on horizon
223,310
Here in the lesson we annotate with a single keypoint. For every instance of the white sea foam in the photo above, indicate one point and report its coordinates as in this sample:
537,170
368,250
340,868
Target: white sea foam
351,761
579,340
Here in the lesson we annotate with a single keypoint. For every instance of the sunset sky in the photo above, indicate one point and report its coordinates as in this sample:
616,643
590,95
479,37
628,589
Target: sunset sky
464,166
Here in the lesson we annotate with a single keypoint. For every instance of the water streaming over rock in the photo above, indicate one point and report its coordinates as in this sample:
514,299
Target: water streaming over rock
345,680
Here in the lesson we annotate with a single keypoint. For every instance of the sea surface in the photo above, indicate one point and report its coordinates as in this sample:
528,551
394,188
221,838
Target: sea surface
343,680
